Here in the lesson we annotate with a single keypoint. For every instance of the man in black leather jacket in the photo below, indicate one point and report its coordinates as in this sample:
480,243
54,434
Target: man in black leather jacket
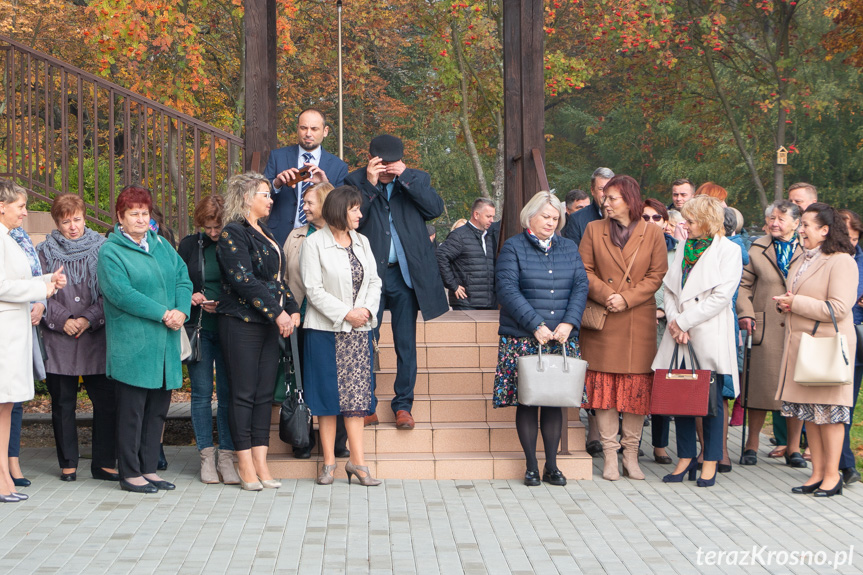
466,260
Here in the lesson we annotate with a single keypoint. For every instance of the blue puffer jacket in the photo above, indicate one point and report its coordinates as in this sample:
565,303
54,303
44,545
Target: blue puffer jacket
534,286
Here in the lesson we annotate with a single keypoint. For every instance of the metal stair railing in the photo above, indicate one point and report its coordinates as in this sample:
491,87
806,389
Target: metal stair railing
67,130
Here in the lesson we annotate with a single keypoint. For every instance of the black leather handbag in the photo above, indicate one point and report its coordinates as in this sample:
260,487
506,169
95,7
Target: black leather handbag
295,418
193,332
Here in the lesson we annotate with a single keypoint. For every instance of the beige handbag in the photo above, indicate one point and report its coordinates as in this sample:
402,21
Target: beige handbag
824,361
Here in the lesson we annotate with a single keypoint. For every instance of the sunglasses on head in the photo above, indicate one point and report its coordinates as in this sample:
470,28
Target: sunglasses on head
655,217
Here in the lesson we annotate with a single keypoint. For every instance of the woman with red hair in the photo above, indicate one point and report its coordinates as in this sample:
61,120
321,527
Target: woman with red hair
147,297
714,191
625,259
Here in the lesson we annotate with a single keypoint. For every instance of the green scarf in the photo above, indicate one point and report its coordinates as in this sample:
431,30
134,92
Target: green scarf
691,252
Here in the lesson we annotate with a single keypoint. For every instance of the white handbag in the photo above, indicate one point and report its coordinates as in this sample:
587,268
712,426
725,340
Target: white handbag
824,361
551,380
185,345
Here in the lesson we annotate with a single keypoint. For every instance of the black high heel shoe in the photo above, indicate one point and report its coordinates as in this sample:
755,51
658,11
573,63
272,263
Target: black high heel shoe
99,473
806,489
690,469
837,490
21,481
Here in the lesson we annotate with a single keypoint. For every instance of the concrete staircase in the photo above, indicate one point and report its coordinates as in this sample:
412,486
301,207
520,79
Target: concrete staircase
458,434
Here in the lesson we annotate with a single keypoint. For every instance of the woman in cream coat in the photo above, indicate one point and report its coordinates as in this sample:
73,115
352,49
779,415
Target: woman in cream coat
825,273
699,287
18,288
343,292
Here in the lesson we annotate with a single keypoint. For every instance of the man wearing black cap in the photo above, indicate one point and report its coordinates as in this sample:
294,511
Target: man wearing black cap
397,202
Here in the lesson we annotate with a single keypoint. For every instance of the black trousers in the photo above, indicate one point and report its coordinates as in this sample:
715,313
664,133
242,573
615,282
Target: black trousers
341,432
64,400
141,415
251,352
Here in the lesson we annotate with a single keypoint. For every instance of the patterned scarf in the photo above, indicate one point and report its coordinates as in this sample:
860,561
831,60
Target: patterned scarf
784,251
20,236
691,252
544,244
78,257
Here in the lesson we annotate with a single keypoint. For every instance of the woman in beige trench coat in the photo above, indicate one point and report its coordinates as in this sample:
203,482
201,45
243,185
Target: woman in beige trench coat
770,258
826,273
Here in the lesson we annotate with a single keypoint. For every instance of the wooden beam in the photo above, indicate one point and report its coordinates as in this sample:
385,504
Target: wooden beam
524,98
260,76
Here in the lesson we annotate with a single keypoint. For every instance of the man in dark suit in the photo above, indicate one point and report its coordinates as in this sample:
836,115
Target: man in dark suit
397,203
577,222
284,165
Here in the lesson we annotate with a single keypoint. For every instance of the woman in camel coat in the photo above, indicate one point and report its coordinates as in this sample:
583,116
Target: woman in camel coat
826,273
619,356
770,258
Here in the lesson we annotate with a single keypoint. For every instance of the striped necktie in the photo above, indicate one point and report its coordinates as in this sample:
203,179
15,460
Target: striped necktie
304,185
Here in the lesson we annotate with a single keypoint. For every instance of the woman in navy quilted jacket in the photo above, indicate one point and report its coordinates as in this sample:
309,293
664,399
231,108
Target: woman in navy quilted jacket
542,290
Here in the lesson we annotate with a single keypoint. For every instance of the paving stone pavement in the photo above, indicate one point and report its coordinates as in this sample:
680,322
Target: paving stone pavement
449,527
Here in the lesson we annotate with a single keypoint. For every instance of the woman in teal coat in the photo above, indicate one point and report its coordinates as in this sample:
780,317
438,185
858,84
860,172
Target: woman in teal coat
147,297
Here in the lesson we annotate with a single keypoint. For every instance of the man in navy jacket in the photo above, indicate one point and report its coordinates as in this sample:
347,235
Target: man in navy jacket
285,163
397,203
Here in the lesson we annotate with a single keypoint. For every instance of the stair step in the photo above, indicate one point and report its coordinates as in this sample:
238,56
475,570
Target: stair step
475,466
442,438
441,381
435,355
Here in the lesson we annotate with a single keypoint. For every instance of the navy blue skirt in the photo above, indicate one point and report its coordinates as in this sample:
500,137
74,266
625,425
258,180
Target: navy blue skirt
338,375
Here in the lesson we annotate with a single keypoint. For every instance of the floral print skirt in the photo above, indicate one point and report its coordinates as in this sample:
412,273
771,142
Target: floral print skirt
625,392
508,351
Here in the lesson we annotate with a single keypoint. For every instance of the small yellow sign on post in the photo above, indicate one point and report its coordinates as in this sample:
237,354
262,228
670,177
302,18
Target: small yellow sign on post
781,156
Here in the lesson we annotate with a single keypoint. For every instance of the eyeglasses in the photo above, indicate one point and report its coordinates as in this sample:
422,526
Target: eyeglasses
610,199
265,194
654,217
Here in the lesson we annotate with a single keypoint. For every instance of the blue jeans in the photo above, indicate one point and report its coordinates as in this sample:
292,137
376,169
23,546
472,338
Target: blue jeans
15,431
714,428
201,376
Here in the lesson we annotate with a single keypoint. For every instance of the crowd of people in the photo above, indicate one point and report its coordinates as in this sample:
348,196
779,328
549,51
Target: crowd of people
310,255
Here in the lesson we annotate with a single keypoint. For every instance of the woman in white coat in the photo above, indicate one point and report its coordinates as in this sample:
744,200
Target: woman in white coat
699,287
18,288
343,292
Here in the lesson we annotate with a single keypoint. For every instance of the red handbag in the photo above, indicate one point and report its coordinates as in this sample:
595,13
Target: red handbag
684,392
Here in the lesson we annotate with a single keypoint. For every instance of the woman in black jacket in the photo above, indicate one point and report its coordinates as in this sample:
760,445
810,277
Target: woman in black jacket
199,252
255,308
542,290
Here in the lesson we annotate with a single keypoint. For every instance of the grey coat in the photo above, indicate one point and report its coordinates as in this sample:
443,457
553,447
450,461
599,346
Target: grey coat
68,355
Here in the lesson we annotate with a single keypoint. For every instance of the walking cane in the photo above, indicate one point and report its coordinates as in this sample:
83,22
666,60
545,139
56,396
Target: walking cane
746,360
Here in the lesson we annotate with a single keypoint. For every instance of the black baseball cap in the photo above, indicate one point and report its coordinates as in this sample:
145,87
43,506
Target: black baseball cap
387,148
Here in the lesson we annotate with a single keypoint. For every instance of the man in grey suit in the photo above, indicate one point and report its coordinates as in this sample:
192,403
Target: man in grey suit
284,166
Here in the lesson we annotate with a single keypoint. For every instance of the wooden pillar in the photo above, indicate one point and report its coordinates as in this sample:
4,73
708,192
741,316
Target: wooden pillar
524,107
260,78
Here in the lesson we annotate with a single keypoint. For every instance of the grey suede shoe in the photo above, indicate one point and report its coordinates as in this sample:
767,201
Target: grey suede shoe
226,468
208,465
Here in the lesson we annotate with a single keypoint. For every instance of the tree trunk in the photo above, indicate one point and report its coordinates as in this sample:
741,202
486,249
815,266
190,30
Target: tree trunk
464,113
735,129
